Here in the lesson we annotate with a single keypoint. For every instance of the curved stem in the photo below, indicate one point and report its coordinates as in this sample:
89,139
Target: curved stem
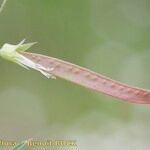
2,5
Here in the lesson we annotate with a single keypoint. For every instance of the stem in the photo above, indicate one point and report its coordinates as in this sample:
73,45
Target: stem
2,5
90,79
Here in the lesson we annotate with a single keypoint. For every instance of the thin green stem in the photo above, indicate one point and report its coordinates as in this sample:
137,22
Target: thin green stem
3,5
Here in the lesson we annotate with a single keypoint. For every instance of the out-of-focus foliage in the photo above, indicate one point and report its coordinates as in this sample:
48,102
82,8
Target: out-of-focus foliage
19,146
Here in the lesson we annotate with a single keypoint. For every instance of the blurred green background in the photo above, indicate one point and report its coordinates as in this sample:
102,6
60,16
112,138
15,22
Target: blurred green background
111,37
